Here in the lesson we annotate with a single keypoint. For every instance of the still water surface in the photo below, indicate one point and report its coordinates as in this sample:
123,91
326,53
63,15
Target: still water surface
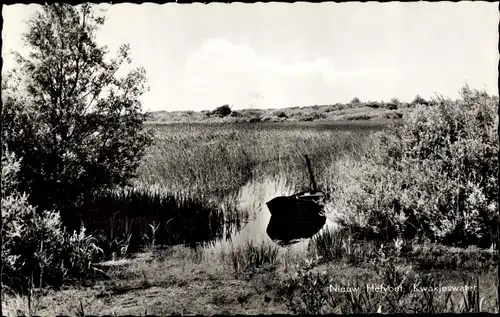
252,199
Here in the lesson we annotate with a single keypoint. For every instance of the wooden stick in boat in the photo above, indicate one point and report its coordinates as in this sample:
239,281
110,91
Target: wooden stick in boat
311,175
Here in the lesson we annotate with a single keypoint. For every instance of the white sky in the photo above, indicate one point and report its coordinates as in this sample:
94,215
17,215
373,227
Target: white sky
276,55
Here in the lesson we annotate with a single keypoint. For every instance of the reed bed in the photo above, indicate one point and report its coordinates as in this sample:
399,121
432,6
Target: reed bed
212,159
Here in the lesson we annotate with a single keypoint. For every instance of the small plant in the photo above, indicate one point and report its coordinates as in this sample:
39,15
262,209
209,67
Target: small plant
330,244
151,240
472,302
119,236
249,257
83,252
306,293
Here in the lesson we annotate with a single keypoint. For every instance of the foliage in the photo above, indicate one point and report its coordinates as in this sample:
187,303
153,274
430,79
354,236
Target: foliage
338,112
222,111
419,100
124,217
36,249
373,104
394,104
355,101
435,177
250,256
76,124
281,114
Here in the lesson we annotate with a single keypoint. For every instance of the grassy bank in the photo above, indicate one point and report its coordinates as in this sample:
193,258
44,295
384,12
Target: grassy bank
261,278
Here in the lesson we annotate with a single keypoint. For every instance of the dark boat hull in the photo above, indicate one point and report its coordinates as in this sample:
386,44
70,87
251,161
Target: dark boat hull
295,217
301,205
291,207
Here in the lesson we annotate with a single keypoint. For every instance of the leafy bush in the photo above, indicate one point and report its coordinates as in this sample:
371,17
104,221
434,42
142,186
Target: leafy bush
281,114
419,100
394,104
313,116
435,177
36,250
373,104
222,111
395,101
255,118
355,101
361,116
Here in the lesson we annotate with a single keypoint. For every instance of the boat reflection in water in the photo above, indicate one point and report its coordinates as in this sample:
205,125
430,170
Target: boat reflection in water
296,217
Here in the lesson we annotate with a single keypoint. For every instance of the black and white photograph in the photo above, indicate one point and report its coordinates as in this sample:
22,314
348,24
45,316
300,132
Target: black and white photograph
249,158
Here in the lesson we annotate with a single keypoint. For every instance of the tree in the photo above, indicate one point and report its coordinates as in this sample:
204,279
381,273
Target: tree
355,101
394,104
77,126
419,100
222,111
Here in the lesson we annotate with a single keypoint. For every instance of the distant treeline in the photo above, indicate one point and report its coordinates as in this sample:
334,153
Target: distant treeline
354,110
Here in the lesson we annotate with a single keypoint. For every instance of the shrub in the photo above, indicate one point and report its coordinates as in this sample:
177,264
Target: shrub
362,116
373,104
355,101
310,292
313,116
418,100
281,114
254,119
435,176
222,111
395,101
393,104
36,250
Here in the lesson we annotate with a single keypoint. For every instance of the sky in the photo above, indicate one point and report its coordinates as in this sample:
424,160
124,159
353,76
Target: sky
274,55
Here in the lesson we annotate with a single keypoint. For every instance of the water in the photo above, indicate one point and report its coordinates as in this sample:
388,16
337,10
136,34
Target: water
252,199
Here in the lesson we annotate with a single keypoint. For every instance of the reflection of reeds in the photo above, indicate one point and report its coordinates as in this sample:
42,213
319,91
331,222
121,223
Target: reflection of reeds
125,217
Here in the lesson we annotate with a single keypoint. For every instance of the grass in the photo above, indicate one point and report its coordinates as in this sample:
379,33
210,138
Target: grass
251,256
214,159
